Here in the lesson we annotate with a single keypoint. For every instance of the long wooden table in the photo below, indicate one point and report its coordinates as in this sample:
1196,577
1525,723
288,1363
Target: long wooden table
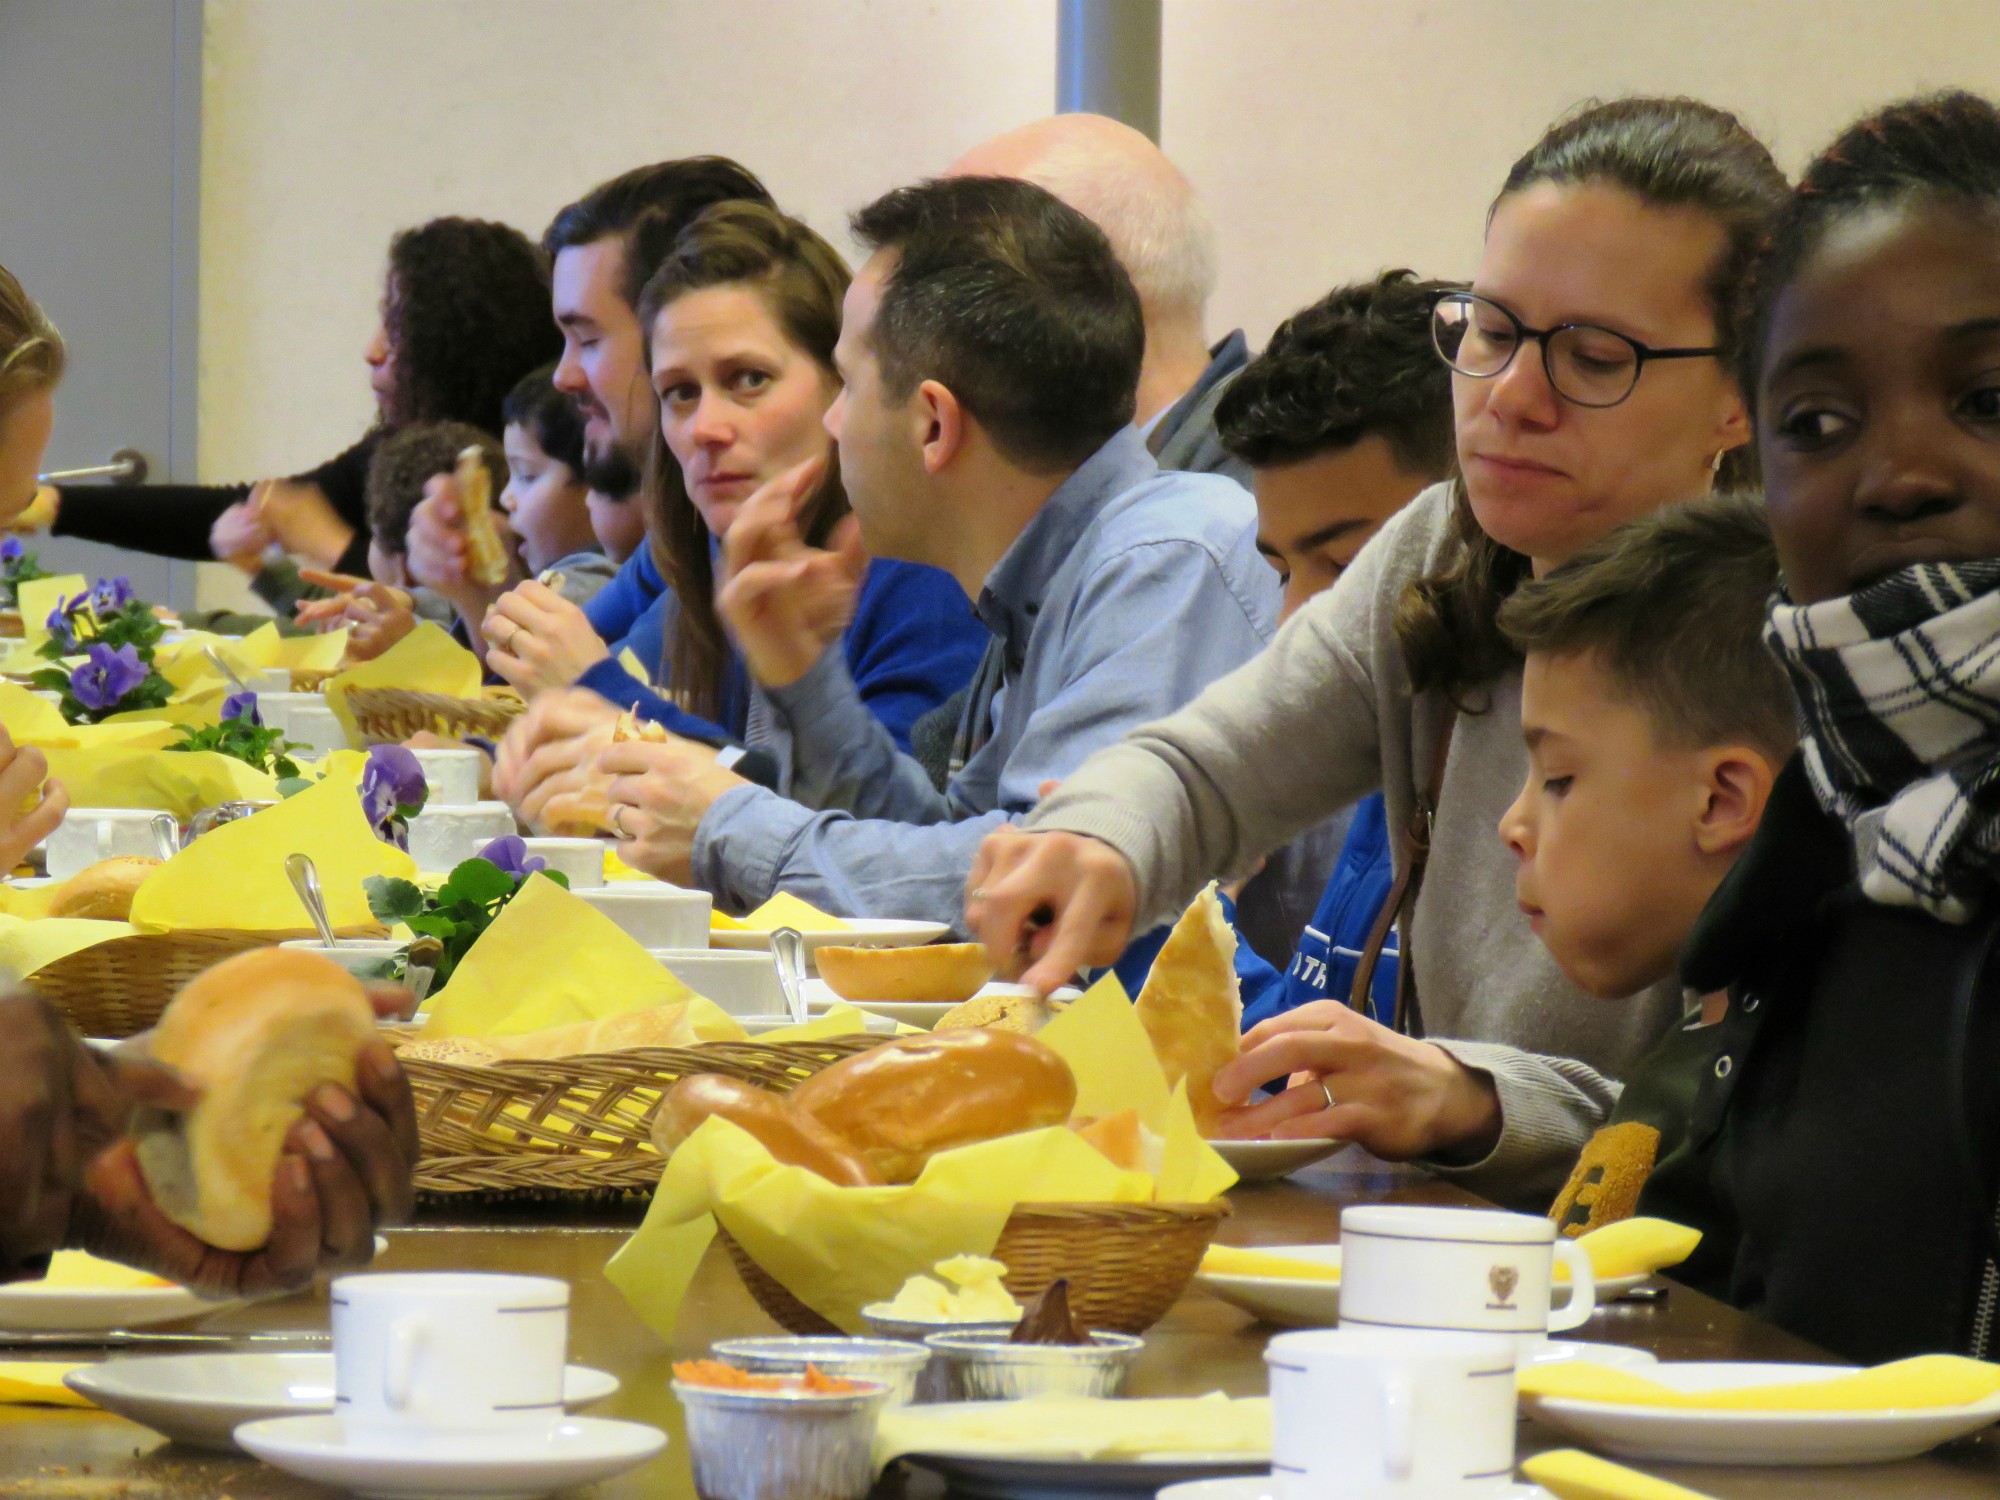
1203,1345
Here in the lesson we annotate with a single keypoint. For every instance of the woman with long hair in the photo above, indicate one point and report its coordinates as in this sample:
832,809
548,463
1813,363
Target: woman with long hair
742,320
465,314
1592,382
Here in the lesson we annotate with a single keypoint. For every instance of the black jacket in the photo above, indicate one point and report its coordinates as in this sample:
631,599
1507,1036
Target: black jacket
1847,1195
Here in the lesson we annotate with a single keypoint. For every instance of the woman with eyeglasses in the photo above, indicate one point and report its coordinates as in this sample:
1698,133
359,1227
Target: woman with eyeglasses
1592,383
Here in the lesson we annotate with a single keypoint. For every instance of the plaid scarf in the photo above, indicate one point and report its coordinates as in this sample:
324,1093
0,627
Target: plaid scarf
1898,687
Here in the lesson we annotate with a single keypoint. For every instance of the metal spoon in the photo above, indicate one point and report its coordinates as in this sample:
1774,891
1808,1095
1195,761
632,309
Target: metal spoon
305,880
215,660
788,952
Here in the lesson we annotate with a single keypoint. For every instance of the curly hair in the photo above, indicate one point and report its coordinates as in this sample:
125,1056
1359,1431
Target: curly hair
406,460
1357,363
1674,153
466,309
1944,145
801,280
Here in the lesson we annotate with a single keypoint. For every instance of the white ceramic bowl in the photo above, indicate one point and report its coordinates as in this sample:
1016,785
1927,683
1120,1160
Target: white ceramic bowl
89,834
581,860
653,914
442,838
306,720
366,959
451,775
744,984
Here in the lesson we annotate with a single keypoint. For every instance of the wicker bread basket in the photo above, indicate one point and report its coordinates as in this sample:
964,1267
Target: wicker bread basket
392,715
578,1124
119,988
1126,1263
312,679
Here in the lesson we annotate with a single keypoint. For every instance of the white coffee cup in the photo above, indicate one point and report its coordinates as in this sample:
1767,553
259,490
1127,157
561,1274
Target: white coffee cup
446,1359
367,959
654,914
305,719
1389,1411
1460,1270
89,834
581,860
442,838
451,775
744,984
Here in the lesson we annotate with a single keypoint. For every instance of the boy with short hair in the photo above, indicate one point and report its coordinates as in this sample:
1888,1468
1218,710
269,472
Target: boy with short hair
1657,721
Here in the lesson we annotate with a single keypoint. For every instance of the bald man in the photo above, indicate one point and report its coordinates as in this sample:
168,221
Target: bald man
1122,182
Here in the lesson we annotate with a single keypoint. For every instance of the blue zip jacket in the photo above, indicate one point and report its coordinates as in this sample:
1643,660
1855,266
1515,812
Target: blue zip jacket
1329,950
913,642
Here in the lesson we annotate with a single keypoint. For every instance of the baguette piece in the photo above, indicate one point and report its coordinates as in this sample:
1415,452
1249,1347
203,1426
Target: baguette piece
1191,1004
256,1034
105,890
487,554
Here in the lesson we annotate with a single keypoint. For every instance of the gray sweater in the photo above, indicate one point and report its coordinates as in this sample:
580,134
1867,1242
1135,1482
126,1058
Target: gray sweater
1321,717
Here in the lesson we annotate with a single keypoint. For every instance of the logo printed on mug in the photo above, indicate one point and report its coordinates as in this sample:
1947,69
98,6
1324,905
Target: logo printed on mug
1503,1280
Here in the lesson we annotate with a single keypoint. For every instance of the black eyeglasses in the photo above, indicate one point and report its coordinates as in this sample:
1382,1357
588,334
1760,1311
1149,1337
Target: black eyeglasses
1587,365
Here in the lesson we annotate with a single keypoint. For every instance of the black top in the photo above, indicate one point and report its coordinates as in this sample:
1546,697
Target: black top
1843,1193
174,520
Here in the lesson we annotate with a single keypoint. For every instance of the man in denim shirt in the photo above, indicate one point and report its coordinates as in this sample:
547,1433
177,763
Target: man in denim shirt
991,350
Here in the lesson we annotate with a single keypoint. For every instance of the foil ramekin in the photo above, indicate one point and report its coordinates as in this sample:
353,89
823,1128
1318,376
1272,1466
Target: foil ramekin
781,1445
935,1383
896,1363
985,1367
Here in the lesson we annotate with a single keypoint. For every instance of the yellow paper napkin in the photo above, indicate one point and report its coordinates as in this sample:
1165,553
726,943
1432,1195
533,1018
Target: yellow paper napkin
1635,1247
549,959
427,660
74,1269
835,1020
1072,1427
28,718
234,876
1233,1260
38,597
1106,1047
782,910
133,771
34,1382
1570,1474
1927,1381
264,647
31,943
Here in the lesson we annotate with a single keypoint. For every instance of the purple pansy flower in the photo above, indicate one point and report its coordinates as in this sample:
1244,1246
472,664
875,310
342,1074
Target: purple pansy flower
107,676
242,706
110,595
509,854
393,789
57,625
12,550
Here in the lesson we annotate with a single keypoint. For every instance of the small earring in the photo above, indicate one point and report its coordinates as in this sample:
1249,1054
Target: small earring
1716,467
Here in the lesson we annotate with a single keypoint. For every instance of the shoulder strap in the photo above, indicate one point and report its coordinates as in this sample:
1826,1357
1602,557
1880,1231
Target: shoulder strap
1402,900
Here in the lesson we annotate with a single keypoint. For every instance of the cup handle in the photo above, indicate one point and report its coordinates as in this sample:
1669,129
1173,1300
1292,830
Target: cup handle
166,835
406,1339
1399,1423
1582,1287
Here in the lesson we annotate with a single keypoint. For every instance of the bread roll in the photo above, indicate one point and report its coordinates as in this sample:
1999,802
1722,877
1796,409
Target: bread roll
105,890
1024,1014
256,1034
946,972
791,1135
1191,1006
902,1102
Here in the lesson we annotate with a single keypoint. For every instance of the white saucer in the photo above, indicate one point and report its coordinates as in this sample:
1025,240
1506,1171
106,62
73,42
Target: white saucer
1266,1161
1664,1434
1585,1352
1265,1487
36,1307
880,932
580,1450
201,1399
922,1014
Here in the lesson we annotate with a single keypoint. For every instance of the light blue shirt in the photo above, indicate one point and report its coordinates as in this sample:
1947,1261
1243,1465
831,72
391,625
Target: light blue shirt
1131,590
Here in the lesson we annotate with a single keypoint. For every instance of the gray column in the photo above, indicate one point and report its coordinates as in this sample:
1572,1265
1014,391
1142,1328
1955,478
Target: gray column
1108,61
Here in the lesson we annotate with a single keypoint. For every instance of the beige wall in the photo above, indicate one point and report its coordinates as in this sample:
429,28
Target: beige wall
1331,137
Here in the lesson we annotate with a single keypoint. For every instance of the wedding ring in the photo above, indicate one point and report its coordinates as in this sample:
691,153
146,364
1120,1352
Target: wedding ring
976,895
618,820
508,644
1327,1093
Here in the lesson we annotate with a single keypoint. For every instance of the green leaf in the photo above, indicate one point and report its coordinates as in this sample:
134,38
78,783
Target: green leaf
478,881
393,900
291,786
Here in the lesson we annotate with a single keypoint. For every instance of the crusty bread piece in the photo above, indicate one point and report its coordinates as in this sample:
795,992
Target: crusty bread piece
105,890
791,1135
256,1034
486,553
943,972
1124,1141
1191,1006
1024,1014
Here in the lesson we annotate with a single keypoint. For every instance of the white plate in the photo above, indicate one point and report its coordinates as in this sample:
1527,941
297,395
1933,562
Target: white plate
1293,1303
1266,1161
1265,1487
1666,1435
31,1307
883,932
202,1399
989,1477
922,1014
580,1450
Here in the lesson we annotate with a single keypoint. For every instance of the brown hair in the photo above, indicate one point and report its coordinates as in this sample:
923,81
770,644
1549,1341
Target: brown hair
802,280
1671,153
32,355
408,459
1673,607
